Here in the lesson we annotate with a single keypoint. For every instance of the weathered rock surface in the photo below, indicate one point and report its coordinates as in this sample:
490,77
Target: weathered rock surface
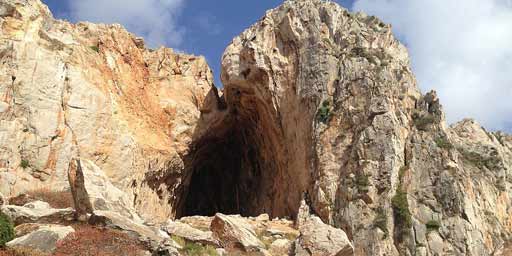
39,212
341,123
235,232
92,191
156,240
44,239
97,92
189,233
319,105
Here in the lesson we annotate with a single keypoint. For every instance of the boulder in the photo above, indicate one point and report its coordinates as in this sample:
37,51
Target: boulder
280,247
39,212
92,190
44,239
319,239
235,232
156,239
189,233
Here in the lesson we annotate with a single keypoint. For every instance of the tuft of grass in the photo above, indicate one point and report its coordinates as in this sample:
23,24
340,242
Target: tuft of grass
324,112
24,163
423,122
179,240
195,249
479,160
433,225
381,221
401,211
443,143
6,230
362,182
95,48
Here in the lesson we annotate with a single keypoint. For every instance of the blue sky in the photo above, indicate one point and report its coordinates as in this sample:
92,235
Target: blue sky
207,26
461,48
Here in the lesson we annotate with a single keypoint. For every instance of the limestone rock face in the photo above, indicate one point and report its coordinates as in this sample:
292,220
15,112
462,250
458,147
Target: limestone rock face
92,191
340,122
94,91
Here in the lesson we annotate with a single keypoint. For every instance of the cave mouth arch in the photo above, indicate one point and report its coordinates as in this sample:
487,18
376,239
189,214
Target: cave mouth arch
233,168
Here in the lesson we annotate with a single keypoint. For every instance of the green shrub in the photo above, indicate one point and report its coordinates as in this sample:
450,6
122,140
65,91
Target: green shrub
24,163
179,240
6,230
362,182
479,160
324,113
195,249
423,122
401,209
95,48
381,222
444,143
433,225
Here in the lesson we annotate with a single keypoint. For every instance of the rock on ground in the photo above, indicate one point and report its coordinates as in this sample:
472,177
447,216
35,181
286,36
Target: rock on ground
39,212
235,232
319,239
44,238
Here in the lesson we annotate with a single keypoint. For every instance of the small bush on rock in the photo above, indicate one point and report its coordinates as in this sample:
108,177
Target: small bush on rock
433,225
6,230
95,48
195,249
444,143
381,222
423,122
324,113
24,163
401,215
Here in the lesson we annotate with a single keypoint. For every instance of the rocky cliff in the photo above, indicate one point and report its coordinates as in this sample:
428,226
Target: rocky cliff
319,106
96,92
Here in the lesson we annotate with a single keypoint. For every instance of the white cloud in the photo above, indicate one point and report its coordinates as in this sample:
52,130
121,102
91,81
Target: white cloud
461,48
155,20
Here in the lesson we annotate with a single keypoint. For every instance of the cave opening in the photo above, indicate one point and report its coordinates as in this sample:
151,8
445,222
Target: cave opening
223,177
232,167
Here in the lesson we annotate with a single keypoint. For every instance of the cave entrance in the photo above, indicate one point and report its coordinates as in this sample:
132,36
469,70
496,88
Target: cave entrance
228,173
224,177
237,162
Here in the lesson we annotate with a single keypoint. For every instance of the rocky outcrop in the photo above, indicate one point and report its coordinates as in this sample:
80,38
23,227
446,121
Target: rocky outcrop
92,191
43,239
319,106
189,233
96,92
317,238
39,212
234,232
342,124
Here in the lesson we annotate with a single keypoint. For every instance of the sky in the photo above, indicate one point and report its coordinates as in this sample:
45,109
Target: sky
460,48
